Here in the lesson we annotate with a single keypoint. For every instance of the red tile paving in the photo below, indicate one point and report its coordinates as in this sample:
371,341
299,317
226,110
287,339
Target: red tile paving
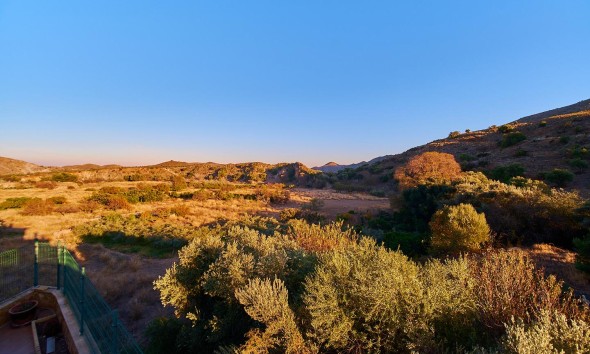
16,340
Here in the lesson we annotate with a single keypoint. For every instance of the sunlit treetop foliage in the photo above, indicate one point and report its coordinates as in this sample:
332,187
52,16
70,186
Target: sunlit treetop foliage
428,168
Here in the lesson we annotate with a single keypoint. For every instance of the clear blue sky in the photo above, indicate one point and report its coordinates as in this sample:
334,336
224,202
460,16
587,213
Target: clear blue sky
138,82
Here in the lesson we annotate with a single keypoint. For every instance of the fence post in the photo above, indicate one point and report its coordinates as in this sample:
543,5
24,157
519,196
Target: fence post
82,302
59,252
36,267
115,341
63,262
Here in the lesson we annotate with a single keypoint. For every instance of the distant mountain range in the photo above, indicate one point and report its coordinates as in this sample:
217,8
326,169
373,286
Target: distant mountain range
555,139
332,167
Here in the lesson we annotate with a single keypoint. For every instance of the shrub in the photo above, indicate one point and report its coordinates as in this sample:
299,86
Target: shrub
267,302
67,209
11,178
551,333
564,139
46,184
543,123
181,210
64,177
418,206
529,214
37,206
14,203
578,152
506,128
579,164
214,267
457,229
145,193
288,214
559,177
317,238
203,194
178,183
57,200
134,177
582,246
512,138
115,202
454,134
428,168
466,157
521,153
89,206
505,173
314,204
509,286
450,303
362,297
274,194
410,243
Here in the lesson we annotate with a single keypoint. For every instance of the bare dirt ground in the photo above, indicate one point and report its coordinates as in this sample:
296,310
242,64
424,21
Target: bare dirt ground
335,202
561,263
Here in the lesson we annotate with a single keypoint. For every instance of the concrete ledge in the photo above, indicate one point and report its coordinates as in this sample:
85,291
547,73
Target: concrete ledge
53,299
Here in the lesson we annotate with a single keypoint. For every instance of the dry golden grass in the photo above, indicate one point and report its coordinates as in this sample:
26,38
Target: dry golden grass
561,263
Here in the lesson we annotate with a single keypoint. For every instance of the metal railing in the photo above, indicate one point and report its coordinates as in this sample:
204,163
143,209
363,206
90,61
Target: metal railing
26,267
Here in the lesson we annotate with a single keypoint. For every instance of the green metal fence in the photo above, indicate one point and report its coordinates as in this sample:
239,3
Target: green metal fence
16,271
28,266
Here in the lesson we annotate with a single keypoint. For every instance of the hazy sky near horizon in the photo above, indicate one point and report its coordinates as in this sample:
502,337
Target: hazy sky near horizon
140,82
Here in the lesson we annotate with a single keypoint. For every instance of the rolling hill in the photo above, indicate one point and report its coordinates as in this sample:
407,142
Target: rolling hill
10,166
539,143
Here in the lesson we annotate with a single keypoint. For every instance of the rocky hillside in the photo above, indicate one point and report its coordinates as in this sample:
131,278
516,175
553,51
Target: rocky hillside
540,143
12,167
332,167
288,173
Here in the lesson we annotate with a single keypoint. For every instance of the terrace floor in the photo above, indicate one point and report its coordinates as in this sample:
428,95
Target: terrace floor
16,340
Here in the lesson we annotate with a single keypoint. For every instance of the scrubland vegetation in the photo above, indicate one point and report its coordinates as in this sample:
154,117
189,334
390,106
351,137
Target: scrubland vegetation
307,288
252,267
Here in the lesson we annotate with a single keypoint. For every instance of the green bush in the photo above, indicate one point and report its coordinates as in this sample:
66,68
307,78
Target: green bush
512,138
582,246
418,206
559,177
178,183
215,267
14,203
322,289
454,134
506,128
410,243
579,164
147,234
363,297
524,214
543,123
466,157
505,173
64,177
458,229
551,333
580,152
